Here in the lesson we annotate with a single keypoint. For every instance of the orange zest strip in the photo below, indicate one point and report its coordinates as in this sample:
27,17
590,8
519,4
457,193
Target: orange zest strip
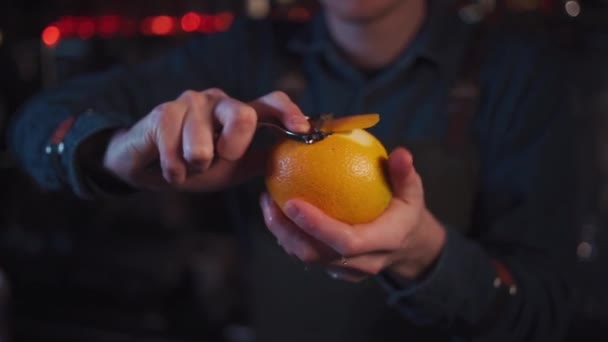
349,123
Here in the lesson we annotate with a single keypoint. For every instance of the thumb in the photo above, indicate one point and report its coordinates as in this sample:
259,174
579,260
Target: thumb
278,105
405,181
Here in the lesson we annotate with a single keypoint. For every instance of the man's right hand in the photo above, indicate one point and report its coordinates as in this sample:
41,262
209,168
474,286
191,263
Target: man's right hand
197,142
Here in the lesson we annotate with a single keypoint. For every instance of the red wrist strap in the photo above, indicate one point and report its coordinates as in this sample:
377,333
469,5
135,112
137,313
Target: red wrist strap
62,130
56,146
504,277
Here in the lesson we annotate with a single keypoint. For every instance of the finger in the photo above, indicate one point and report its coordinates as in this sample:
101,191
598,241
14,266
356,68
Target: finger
338,235
369,264
225,173
238,122
197,133
167,124
385,234
278,105
293,240
129,153
406,183
340,273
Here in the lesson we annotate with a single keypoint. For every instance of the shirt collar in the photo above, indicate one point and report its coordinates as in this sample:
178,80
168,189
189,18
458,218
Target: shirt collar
438,38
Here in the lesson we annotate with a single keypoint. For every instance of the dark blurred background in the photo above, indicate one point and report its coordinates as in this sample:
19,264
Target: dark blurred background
69,270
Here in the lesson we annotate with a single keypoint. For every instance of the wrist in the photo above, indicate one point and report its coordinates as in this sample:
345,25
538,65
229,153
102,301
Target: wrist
92,157
110,161
422,251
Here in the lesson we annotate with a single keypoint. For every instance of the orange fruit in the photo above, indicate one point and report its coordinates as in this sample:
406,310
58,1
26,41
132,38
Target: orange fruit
343,175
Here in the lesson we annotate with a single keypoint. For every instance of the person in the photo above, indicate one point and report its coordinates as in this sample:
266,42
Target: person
474,244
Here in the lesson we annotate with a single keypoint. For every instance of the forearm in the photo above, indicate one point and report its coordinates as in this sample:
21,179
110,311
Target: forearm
45,138
469,292
46,135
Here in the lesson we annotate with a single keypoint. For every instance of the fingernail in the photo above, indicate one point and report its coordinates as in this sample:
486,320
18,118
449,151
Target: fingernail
264,204
265,200
301,128
292,211
300,124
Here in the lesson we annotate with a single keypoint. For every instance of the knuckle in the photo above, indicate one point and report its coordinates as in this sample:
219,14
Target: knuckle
164,112
189,95
193,99
160,110
245,119
215,92
280,95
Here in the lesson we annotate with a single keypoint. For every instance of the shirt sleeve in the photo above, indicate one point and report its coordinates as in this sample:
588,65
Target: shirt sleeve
511,279
112,99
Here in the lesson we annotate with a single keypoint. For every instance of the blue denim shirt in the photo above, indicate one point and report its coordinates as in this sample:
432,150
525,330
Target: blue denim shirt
520,221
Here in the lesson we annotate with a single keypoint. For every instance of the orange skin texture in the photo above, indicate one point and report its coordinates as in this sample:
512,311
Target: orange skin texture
344,175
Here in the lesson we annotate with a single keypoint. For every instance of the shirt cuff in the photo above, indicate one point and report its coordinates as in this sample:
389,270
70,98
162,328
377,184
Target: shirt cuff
85,125
460,287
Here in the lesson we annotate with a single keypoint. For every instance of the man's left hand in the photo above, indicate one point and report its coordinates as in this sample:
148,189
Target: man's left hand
404,241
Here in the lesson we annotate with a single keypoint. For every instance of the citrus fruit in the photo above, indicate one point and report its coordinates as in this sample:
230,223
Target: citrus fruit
343,175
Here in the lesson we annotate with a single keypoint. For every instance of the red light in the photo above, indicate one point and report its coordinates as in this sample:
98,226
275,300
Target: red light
207,24
66,26
108,25
128,27
223,21
51,35
299,14
85,28
162,25
146,26
190,22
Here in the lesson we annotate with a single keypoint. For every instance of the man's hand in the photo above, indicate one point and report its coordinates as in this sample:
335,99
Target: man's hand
198,142
404,241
